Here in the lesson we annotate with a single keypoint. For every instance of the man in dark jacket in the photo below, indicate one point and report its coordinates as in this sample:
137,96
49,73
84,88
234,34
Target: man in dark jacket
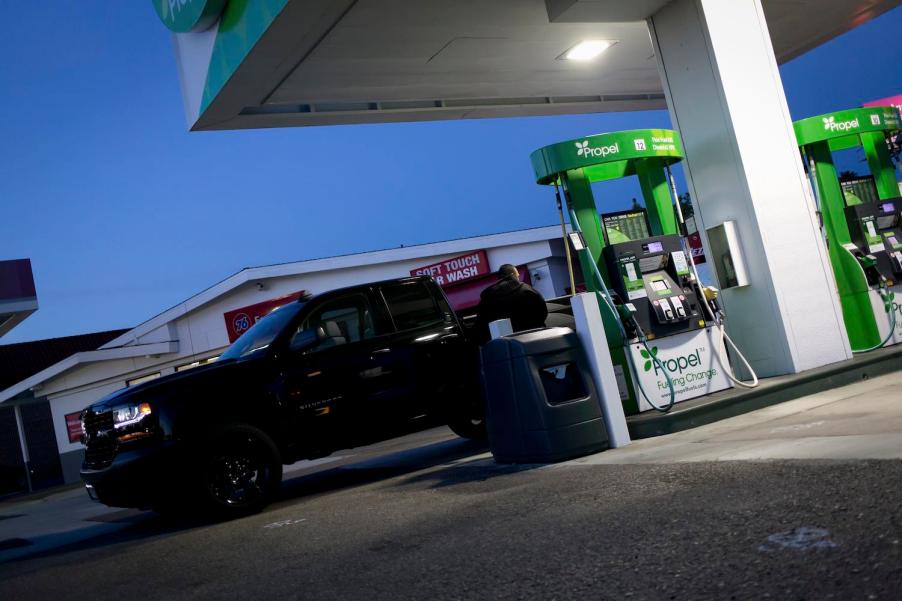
510,298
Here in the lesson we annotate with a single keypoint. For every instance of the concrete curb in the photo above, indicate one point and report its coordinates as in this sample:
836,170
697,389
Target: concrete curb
771,391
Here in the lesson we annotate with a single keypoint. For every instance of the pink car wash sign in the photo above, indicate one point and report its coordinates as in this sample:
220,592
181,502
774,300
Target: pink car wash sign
459,269
895,101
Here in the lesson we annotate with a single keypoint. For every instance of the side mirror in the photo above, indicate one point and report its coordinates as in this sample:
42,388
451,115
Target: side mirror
304,340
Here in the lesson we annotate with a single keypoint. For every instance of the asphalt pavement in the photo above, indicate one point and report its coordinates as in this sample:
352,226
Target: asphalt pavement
759,506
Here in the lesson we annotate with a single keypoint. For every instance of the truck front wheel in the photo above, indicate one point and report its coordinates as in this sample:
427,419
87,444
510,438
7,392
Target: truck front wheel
240,472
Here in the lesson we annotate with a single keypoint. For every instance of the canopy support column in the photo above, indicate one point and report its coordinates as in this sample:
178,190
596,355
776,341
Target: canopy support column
726,97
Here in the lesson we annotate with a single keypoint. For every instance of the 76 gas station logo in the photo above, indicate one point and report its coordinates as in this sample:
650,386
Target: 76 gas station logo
241,323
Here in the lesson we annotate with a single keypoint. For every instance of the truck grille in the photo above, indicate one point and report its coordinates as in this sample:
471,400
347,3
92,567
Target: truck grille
100,441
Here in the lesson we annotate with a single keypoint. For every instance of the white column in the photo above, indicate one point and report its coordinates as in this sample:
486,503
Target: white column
594,342
20,427
726,98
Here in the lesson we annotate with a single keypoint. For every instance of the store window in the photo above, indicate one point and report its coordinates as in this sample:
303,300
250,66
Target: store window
194,364
142,379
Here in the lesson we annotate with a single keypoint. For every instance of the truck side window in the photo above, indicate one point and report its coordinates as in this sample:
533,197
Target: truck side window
341,321
411,305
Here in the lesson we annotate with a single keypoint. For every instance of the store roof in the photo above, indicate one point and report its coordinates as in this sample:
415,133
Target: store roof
24,359
283,63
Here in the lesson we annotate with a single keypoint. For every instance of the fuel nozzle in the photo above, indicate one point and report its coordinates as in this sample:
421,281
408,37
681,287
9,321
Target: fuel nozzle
867,261
626,310
710,293
627,313
873,273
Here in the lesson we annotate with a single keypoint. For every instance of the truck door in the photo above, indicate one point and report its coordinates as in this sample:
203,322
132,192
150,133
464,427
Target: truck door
427,345
331,382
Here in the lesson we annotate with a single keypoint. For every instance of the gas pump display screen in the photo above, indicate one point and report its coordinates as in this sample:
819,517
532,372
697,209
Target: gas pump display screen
659,286
887,221
625,226
649,264
653,247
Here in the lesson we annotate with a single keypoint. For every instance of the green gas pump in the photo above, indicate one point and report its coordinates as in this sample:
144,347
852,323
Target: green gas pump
657,317
864,240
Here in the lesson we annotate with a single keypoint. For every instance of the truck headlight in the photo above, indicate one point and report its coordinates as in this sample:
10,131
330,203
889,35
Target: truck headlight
130,414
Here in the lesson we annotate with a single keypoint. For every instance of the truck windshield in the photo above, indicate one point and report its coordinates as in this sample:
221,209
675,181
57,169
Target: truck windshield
260,336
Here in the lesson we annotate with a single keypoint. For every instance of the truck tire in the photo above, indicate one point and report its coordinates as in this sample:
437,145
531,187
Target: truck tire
239,472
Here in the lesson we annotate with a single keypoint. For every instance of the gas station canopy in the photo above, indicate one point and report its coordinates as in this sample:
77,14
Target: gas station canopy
284,63
711,63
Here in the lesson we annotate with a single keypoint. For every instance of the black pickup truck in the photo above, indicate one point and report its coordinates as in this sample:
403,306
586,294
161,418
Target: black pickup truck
342,369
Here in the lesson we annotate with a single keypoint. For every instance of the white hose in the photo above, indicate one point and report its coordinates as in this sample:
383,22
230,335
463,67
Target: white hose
887,300
730,374
721,348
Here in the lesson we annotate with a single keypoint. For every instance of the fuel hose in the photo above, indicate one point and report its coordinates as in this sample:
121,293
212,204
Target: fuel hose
606,296
887,296
719,324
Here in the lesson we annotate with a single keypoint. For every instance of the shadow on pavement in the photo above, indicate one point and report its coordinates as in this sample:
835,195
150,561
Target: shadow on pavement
380,468
94,535
126,526
465,473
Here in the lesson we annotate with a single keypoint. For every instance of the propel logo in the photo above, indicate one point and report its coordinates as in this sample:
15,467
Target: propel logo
584,150
648,358
831,124
673,366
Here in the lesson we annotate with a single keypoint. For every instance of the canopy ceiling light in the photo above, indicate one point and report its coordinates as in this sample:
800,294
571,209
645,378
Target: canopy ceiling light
587,50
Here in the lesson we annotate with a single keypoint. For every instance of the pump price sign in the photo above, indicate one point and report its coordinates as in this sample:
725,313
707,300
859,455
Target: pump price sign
457,270
695,247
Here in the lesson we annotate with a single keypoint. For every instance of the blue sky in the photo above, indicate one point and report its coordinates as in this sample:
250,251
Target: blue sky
124,213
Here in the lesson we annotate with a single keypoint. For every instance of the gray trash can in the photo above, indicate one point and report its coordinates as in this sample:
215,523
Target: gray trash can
541,402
